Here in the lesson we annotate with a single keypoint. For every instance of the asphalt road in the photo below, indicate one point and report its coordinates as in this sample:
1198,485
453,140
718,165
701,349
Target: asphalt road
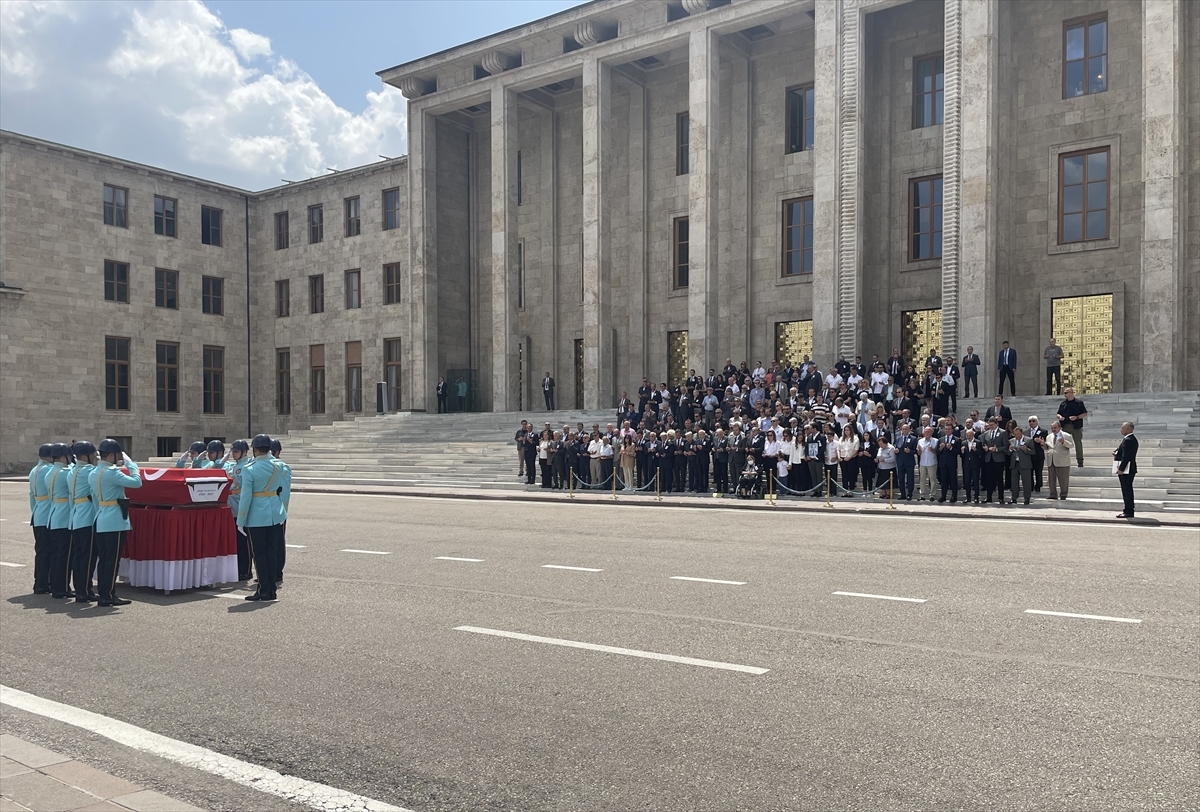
359,679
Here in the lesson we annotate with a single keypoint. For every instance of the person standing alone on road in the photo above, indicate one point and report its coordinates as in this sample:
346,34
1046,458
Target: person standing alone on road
1006,365
1071,413
1053,355
1125,465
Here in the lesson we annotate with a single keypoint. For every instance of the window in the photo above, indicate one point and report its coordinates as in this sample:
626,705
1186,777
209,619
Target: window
283,298
116,281
353,220
116,374
212,295
166,447
210,226
925,218
391,209
520,275
519,184
354,376
166,288
283,381
316,293
281,230
116,210
353,290
391,371
929,79
214,380
164,216
798,236
682,122
1083,196
391,283
1085,57
167,376
316,379
680,238
800,115
316,224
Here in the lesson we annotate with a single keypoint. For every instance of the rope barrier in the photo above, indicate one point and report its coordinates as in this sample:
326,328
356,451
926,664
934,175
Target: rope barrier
853,492
594,486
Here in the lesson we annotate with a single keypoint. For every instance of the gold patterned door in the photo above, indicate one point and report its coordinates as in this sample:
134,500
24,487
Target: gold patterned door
920,332
677,356
793,341
1082,326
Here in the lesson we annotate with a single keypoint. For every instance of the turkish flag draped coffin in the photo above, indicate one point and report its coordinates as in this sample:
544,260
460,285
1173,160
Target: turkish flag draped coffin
181,486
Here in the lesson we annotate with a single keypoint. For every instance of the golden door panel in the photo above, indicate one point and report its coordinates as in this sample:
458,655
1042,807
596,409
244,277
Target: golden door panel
1083,326
793,341
677,356
920,332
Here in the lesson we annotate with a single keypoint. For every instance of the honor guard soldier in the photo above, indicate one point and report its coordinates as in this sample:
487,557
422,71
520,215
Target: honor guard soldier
286,496
238,458
83,519
108,484
193,457
214,457
39,510
58,522
260,514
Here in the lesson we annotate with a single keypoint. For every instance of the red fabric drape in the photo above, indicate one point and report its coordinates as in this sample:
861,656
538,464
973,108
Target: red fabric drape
180,534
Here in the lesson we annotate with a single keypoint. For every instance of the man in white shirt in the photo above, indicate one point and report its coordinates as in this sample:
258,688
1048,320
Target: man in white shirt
879,382
833,380
759,374
854,380
927,455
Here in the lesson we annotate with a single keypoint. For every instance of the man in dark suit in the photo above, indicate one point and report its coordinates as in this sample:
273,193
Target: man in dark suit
1126,458
1022,464
906,461
1006,365
1037,436
970,368
999,411
895,366
995,458
972,465
548,391
442,394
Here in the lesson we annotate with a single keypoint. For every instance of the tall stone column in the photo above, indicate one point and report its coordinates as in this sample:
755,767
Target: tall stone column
969,181
597,318
1163,128
421,348
704,72
505,373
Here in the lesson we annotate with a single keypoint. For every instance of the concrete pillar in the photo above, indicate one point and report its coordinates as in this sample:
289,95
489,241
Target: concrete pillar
421,349
1163,129
505,374
737,332
597,319
636,348
704,97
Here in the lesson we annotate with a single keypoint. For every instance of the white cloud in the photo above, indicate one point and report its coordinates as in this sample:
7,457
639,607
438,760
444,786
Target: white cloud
249,45
19,63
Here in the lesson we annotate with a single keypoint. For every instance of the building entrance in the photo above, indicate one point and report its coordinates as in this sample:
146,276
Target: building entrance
1083,325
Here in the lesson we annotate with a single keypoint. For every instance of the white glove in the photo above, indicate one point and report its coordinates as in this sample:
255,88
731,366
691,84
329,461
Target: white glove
241,530
228,452
125,457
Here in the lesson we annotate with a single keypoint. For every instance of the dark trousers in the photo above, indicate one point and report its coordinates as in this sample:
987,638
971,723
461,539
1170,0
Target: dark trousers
968,382
1056,374
816,476
1076,432
108,550
545,464
993,478
559,467
970,479
264,545
280,550
462,403
41,559
905,478
530,469
583,470
1039,462
83,560
866,469
849,473
665,476
1012,382
831,474
680,474
1127,492
721,475
243,555
948,475
442,407
606,471
60,559
548,394
693,474
1022,482
643,468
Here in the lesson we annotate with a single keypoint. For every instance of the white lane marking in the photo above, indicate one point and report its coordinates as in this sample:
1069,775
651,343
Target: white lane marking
236,596
1085,617
707,580
880,597
628,652
364,552
309,793
7,564
452,558
296,546
562,567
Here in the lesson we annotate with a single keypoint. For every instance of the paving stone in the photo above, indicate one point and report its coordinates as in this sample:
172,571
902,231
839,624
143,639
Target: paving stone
30,755
45,794
147,800
89,779
9,768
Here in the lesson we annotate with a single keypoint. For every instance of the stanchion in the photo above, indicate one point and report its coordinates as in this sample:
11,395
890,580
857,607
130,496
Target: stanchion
828,503
571,488
657,487
614,479
891,490
771,488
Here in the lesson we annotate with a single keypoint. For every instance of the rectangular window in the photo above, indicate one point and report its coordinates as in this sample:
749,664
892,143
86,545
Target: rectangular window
391,283
316,224
929,80
680,240
353,290
116,374
353,219
354,380
210,225
316,293
212,295
166,447
801,102
164,216
391,372
283,298
519,183
391,209
214,380
167,376
316,378
1083,196
116,209
281,230
925,218
1085,56
283,381
682,123
798,236
520,275
166,288
116,281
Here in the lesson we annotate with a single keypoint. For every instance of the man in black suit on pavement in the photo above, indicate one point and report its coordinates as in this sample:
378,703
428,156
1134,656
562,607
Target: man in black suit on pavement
1126,458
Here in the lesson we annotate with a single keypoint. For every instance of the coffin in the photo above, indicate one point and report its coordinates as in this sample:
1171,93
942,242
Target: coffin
181,486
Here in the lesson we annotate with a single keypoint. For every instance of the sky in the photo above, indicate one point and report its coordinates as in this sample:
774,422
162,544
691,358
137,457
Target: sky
243,92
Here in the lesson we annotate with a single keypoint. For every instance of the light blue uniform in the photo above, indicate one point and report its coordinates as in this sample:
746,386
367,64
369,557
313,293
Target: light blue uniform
260,503
108,484
83,508
234,469
35,476
41,508
286,496
195,463
58,488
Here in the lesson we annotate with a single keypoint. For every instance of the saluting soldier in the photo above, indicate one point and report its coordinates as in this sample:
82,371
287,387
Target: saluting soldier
260,514
58,522
39,511
286,496
237,460
213,457
83,520
108,483
193,457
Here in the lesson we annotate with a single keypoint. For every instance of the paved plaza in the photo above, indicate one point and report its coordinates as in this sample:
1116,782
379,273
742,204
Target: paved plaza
439,654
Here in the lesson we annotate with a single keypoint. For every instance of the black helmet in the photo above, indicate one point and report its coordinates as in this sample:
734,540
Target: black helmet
216,447
110,446
83,448
276,447
44,451
60,450
261,441
197,447
240,445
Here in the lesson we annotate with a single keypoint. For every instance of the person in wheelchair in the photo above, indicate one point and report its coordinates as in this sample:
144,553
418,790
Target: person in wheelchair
749,486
